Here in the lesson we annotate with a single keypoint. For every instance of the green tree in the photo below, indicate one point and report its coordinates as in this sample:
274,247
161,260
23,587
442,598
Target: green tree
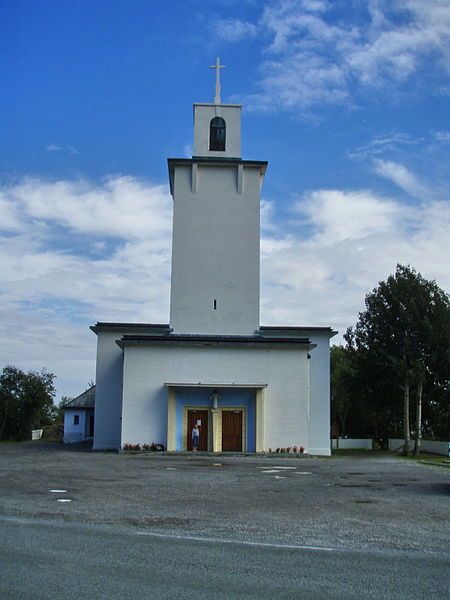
342,381
403,340
26,401
58,410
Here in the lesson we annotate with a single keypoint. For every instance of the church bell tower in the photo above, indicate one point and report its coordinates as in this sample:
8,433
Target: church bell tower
216,227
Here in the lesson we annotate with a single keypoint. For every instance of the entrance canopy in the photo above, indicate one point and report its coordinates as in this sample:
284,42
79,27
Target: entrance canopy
234,420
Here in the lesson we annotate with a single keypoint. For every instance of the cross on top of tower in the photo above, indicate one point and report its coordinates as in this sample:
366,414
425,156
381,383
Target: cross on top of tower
217,67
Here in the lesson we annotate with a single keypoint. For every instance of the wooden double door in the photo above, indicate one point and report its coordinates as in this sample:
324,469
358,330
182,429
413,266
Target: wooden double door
199,417
232,430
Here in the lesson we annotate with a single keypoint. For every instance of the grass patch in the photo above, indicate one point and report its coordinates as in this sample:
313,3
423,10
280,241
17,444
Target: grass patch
429,459
356,452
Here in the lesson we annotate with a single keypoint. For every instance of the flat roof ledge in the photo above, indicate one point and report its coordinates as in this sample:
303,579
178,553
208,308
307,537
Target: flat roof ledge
270,330
255,341
147,328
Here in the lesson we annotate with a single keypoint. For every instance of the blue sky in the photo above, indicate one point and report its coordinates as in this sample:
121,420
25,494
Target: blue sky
347,100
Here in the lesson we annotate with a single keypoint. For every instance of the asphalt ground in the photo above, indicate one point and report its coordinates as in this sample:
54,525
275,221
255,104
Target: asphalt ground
220,527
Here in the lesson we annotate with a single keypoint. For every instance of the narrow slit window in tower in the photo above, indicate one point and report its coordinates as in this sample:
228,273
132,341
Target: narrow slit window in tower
217,132
215,304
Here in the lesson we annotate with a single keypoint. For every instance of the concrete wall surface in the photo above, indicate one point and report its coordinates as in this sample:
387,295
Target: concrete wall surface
203,114
352,443
108,391
74,433
319,365
319,378
285,371
431,446
215,251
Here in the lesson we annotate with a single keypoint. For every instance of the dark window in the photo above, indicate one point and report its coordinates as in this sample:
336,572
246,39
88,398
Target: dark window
215,304
217,134
76,419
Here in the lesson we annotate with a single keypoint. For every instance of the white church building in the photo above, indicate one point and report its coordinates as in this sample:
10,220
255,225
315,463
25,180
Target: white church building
250,388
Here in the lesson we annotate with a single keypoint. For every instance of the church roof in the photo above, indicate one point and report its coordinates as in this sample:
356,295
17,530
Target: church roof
151,328
290,330
209,340
84,400
162,332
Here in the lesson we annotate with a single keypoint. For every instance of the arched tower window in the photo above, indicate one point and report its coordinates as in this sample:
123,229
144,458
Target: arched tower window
217,131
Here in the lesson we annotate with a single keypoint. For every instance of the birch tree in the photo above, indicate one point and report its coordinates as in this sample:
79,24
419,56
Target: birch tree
405,331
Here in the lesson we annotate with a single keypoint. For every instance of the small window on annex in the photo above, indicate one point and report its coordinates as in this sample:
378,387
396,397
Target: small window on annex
217,131
76,419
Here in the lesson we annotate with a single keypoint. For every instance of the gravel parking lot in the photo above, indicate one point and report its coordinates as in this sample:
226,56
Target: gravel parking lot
375,502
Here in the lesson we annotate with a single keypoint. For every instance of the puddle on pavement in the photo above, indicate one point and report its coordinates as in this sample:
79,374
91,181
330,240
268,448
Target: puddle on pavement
282,468
161,521
353,485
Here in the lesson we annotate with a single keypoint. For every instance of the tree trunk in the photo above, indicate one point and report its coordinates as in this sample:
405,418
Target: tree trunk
406,418
342,418
4,419
418,419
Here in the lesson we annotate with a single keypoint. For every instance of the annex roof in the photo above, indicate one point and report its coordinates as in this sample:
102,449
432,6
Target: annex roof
84,400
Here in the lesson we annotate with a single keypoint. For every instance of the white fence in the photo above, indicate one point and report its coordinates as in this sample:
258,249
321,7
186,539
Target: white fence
351,444
431,446
36,434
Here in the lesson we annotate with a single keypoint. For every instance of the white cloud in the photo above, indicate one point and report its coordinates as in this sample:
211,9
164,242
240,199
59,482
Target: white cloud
38,339
10,215
75,253
71,150
355,240
442,136
54,148
338,216
306,79
381,144
311,60
401,176
234,30
122,207
315,272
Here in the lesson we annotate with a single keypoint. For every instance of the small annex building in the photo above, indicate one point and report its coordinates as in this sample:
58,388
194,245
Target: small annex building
79,417
248,387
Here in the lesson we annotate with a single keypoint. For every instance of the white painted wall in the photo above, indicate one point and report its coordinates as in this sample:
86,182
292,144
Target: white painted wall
320,392
432,446
74,433
108,391
352,444
285,371
203,114
215,251
319,377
